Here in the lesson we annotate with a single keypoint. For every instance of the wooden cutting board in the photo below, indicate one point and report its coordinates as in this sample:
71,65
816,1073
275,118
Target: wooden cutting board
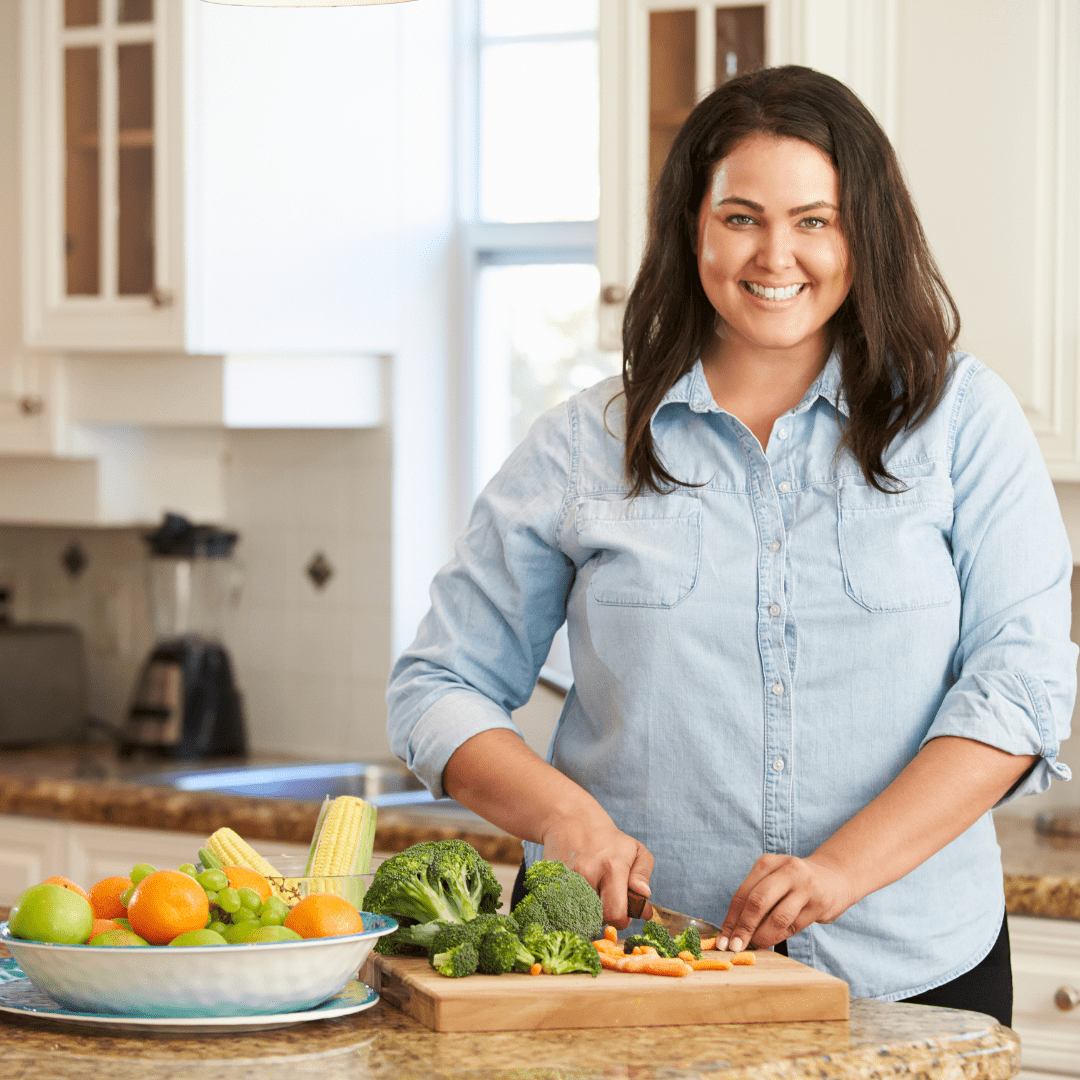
774,988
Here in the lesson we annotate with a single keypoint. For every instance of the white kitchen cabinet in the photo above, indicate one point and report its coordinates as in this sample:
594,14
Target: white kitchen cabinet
1046,989
207,179
982,103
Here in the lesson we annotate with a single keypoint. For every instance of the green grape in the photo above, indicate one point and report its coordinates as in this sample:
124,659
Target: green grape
213,880
250,899
125,896
228,900
188,868
211,896
218,927
271,918
244,915
141,870
238,931
276,905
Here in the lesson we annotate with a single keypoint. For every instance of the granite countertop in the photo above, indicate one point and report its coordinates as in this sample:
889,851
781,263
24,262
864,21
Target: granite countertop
1042,873
91,785
880,1040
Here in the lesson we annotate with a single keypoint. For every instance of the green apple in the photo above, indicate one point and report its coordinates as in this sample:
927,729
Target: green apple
117,938
51,913
199,937
271,933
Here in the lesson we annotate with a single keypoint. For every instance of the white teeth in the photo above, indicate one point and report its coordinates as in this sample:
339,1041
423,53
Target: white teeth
785,293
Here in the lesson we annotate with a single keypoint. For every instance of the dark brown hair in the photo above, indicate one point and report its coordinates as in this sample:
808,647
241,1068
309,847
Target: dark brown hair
898,323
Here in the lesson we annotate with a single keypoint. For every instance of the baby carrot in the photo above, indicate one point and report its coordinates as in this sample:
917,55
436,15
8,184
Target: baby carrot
710,963
687,955
708,943
535,969
610,933
744,958
608,960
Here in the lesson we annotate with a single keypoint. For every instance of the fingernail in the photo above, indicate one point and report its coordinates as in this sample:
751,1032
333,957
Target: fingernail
736,944
721,944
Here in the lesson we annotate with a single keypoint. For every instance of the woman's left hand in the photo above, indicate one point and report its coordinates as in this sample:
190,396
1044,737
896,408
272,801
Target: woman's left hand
781,896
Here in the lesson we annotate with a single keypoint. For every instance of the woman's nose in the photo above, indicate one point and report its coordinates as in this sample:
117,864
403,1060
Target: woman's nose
777,250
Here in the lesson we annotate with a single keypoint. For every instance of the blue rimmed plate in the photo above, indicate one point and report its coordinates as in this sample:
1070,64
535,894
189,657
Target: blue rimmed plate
19,996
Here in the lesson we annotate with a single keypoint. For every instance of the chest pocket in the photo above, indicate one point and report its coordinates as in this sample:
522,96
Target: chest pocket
894,548
647,549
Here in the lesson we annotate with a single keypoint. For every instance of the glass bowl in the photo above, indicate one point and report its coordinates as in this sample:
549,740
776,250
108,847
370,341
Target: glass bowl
293,886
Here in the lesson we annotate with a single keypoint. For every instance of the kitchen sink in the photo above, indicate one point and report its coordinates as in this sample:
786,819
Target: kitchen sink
379,784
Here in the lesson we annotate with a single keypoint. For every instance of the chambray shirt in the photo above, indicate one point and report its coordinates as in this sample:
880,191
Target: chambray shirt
758,656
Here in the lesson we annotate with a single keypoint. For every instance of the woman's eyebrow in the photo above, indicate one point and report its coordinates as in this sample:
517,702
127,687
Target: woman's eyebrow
820,204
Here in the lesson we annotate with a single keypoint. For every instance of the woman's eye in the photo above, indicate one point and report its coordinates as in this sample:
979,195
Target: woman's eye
739,219
815,222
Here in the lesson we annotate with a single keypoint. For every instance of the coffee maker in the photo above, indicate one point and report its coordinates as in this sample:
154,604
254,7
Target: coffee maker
186,703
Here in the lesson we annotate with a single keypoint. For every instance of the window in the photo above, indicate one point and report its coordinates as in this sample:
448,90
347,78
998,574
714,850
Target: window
532,197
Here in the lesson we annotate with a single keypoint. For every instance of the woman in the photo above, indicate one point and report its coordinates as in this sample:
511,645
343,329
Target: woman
814,575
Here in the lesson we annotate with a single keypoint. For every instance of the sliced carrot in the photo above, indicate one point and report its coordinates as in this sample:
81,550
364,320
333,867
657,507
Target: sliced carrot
744,958
610,933
644,950
710,963
535,969
605,946
609,960
663,965
687,955
708,943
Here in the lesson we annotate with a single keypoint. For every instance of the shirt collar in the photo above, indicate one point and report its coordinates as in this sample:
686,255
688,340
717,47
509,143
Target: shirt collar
692,389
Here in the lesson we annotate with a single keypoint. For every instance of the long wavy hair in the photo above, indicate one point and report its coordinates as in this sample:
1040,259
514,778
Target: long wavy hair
898,323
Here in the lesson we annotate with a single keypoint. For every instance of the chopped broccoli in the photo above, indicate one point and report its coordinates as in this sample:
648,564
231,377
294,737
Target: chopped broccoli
447,935
458,961
502,951
559,899
561,952
689,941
659,937
434,881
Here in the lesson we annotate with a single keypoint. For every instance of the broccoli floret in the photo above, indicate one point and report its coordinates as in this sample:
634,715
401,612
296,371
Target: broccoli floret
434,881
559,899
689,941
561,952
447,935
502,951
659,937
458,961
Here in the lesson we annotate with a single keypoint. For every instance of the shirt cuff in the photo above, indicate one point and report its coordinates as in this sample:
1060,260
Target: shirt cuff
454,718
1008,710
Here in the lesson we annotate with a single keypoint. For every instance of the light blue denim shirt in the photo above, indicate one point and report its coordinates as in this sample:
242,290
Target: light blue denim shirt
756,658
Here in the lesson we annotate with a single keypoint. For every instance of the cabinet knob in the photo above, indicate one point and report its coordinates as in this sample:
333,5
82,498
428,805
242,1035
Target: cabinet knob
613,294
31,404
1067,998
161,297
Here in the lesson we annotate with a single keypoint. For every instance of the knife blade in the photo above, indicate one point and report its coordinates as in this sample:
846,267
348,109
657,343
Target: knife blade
675,922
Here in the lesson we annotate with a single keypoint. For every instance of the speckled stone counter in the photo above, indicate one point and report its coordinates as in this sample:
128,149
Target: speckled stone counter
880,1040
1042,873
93,787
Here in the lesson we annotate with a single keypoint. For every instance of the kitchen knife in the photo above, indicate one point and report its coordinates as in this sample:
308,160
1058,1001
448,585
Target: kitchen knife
675,922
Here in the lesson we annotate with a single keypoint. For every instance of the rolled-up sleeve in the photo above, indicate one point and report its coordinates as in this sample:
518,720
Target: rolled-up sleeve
494,610
1015,667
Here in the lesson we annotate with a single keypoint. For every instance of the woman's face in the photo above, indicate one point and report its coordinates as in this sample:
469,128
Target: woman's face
771,254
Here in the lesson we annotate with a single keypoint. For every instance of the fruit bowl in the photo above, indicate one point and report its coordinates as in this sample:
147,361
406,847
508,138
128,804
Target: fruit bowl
197,981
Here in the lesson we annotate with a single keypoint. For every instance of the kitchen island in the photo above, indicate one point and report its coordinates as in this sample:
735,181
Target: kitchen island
880,1040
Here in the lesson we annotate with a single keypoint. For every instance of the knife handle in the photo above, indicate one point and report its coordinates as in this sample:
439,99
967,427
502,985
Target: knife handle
635,904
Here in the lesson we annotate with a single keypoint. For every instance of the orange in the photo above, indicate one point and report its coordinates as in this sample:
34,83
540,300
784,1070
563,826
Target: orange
101,925
104,897
324,915
240,877
66,883
165,904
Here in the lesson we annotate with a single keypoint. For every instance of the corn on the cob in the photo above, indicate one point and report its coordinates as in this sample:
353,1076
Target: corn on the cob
344,837
233,851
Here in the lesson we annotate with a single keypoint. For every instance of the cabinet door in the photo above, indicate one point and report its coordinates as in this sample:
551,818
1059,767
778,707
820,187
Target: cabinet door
30,852
1046,982
29,421
102,173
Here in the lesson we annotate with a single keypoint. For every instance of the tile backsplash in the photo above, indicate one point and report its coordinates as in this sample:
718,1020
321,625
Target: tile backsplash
311,661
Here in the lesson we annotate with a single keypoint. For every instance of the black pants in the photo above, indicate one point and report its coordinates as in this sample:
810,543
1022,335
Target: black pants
986,988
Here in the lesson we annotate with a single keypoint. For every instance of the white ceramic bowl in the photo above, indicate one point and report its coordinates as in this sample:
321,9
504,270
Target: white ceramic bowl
200,980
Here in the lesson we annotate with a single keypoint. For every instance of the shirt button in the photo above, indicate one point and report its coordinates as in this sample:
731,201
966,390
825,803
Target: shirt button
778,765
782,433
784,486
775,545
778,688
774,609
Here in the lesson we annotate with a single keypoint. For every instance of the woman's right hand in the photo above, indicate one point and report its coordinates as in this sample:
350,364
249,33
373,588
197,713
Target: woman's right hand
497,776
609,859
